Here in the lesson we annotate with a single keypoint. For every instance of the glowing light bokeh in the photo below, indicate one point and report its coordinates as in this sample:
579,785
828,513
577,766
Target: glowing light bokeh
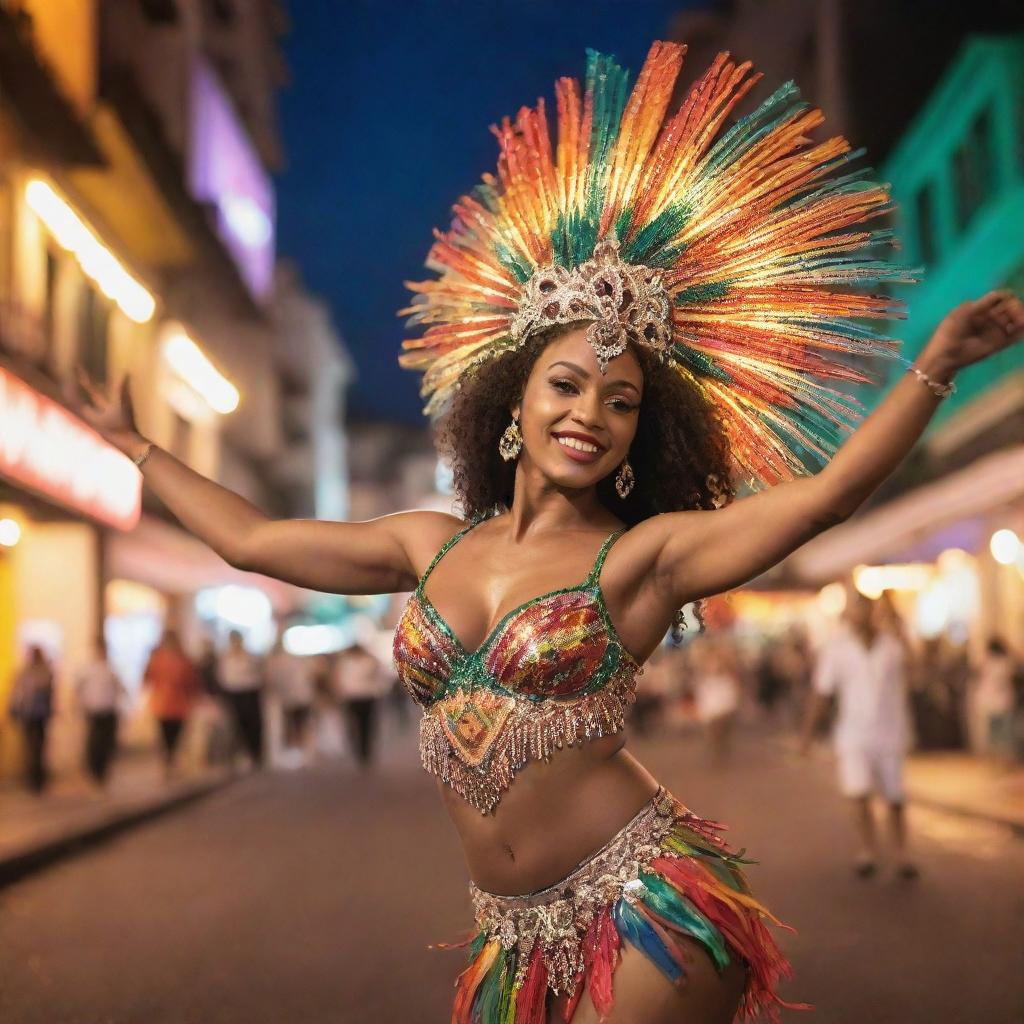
10,533
95,259
187,359
1005,546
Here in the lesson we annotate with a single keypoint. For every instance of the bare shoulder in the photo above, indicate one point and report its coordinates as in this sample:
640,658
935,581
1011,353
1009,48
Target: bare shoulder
422,532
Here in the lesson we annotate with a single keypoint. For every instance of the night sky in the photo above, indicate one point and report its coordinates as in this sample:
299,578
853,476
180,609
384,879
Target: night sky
386,123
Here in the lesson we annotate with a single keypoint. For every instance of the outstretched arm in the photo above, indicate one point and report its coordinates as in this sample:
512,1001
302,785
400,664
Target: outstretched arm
375,557
704,553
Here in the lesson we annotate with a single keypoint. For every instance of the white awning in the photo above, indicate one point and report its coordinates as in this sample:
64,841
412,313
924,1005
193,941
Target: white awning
989,486
169,559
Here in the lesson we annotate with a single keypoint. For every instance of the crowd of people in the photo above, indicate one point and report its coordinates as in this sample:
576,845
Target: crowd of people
875,692
952,703
223,697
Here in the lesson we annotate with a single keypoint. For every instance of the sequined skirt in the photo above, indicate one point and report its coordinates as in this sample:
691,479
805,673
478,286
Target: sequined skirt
666,874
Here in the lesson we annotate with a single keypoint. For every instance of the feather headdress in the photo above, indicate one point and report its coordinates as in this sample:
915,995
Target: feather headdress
737,252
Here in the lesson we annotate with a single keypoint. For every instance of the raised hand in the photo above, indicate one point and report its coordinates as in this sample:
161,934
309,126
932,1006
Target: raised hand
973,331
112,416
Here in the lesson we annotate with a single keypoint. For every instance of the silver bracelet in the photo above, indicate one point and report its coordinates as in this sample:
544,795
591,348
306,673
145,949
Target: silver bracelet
144,454
936,387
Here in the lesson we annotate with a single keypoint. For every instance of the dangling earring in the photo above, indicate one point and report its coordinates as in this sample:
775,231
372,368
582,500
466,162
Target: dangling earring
624,479
511,443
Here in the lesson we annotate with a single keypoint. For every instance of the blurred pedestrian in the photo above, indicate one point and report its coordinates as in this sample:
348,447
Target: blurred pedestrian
938,695
173,684
360,682
290,680
240,678
717,692
864,668
995,699
206,664
653,688
31,706
100,693
772,680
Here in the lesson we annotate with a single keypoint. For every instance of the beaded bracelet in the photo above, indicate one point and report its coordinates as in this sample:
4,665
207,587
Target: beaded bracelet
144,454
936,387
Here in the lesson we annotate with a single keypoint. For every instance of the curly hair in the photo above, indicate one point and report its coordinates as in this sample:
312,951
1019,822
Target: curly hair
679,454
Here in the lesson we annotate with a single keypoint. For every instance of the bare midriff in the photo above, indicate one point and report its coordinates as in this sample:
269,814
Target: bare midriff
555,814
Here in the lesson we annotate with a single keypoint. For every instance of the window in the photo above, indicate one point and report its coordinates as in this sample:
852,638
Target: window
50,301
160,12
94,318
924,209
6,238
973,169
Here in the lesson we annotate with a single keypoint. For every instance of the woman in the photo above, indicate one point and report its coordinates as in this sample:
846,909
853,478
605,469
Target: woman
290,680
619,321
31,706
360,684
100,694
174,686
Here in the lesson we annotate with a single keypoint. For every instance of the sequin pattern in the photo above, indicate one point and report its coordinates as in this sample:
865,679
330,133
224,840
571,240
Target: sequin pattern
553,673
667,875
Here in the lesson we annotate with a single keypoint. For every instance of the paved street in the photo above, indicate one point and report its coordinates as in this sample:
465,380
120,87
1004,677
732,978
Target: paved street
311,897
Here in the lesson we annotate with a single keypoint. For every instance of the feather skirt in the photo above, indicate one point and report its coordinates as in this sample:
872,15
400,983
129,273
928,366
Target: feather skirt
667,874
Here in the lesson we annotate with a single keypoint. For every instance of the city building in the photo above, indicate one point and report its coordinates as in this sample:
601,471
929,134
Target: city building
314,373
137,228
944,125
947,538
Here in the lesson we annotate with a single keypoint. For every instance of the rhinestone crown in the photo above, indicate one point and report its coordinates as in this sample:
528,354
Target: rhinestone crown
627,303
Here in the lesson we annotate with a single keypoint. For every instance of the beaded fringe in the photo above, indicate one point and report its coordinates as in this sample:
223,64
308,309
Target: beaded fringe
665,877
534,731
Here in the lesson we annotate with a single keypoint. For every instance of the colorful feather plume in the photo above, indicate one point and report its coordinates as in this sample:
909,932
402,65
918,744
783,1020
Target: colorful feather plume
756,230
700,895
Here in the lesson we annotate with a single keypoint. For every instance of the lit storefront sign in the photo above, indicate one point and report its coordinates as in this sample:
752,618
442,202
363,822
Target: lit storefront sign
225,170
95,259
45,447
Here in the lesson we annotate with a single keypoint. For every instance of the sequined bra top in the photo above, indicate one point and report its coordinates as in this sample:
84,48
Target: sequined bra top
552,673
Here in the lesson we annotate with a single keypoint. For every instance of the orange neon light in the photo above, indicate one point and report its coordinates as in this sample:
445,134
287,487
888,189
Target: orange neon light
47,448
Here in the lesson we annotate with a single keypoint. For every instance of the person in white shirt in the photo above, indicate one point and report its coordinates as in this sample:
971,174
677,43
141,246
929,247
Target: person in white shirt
240,677
717,696
99,693
994,699
360,681
864,668
290,680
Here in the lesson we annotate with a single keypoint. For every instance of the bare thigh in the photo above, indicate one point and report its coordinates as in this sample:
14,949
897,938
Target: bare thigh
643,995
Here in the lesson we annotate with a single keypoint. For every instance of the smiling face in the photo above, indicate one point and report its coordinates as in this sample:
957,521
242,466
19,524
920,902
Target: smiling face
577,423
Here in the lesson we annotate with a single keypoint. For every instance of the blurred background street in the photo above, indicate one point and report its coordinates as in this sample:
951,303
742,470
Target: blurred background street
310,897
210,807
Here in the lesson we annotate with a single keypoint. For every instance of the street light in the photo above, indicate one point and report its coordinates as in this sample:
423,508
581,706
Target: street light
1004,545
10,533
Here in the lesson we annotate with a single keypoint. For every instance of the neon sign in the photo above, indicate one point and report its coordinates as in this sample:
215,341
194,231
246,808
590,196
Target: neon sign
225,170
45,447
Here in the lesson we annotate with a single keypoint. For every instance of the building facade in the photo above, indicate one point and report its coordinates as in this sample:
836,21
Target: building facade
944,125
137,225
948,534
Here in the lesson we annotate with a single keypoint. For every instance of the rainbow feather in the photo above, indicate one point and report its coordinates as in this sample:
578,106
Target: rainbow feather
756,228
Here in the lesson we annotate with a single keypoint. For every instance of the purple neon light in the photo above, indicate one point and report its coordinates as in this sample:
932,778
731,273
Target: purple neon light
225,171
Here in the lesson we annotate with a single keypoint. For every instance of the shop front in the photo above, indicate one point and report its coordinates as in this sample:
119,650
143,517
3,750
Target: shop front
62,491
